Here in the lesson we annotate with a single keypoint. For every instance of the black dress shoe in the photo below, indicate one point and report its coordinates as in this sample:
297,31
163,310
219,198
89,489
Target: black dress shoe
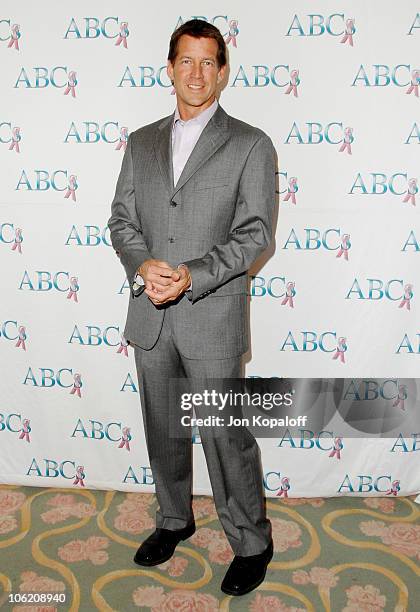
246,573
160,546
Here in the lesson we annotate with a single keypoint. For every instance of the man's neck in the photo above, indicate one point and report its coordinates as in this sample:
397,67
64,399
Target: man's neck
187,112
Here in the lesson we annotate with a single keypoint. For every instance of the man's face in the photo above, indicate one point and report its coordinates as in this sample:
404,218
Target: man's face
195,73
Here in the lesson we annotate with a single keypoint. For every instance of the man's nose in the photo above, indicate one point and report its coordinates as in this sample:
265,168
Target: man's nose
197,71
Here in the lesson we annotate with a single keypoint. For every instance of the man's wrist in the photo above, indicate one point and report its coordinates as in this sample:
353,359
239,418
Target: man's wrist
138,285
189,286
139,271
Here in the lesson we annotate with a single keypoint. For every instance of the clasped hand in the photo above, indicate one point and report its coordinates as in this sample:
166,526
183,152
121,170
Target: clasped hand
164,283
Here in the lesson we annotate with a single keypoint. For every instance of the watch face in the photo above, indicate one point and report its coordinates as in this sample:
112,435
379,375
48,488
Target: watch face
138,286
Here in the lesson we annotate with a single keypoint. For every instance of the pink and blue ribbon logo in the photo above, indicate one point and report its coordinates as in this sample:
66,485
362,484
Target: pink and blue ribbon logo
232,33
402,395
123,346
348,32
73,289
72,187
341,349
395,488
77,385
126,438
338,447
292,190
16,138
412,189
290,294
293,83
284,487
123,139
408,296
122,36
21,338
17,242
26,430
14,37
344,247
71,84
80,476
347,140
414,84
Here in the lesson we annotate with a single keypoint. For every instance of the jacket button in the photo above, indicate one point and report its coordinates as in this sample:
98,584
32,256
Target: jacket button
171,239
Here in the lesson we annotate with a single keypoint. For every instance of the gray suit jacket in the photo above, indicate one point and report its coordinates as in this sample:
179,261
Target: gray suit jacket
217,220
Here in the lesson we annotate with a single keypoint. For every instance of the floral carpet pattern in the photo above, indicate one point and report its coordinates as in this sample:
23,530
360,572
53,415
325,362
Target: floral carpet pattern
339,554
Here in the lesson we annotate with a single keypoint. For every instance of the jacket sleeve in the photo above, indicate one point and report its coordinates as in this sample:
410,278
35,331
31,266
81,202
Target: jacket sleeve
124,223
250,233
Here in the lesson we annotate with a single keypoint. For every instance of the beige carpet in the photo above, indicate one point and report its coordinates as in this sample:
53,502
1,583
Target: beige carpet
339,554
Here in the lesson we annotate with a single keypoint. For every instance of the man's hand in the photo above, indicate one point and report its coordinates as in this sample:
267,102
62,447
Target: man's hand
157,274
174,286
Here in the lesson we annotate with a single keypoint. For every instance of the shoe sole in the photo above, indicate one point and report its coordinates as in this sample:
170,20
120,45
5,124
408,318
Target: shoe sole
251,588
164,559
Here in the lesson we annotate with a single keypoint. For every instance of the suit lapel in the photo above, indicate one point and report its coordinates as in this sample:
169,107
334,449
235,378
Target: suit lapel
214,135
163,150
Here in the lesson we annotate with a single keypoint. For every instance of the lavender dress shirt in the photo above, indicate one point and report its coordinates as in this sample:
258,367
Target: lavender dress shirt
184,138
185,135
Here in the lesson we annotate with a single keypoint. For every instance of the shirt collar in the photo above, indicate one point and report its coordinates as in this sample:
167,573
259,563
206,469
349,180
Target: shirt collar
202,119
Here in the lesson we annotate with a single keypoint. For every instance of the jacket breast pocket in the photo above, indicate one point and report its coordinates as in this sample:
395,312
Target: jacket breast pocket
201,185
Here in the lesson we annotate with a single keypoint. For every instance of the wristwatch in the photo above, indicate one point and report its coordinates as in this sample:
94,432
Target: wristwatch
138,285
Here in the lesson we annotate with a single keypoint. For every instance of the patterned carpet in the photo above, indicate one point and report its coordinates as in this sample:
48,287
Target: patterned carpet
339,554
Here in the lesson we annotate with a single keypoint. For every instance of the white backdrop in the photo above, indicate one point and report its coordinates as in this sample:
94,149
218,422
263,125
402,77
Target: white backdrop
367,190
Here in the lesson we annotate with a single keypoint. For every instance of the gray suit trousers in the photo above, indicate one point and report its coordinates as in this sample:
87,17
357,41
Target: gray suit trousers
233,463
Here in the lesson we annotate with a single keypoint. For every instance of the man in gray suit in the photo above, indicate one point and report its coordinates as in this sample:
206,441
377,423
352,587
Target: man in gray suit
192,211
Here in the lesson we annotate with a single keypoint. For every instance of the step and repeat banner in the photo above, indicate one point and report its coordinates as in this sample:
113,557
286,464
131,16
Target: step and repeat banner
336,86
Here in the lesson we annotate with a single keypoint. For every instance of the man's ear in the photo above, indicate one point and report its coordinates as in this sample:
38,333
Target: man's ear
170,71
221,73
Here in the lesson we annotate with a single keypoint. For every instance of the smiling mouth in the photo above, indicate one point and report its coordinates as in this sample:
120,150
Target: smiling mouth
195,87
